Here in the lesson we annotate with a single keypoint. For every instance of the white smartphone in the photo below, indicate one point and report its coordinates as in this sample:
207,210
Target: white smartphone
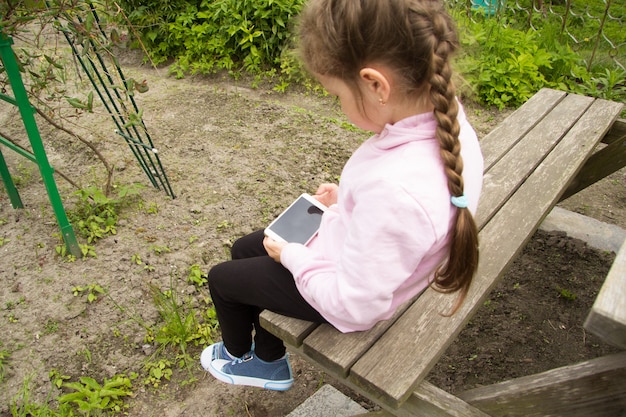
299,222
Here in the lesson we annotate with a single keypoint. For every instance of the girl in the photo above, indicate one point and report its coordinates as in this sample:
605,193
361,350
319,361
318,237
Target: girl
401,217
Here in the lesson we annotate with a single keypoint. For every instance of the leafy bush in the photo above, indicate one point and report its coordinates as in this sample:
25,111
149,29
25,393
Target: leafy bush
212,35
506,66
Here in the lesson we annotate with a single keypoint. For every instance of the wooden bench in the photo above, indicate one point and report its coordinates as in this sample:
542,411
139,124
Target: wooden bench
530,160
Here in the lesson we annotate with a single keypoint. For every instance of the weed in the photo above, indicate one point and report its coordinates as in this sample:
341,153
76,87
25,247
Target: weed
51,326
196,275
57,378
91,397
157,371
566,294
152,208
159,250
4,241
181,326
4,363
224,225
96,214
92,291
136,259
86,353
22,406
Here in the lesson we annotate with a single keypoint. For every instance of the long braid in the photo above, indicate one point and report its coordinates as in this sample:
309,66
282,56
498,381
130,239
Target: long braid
457,273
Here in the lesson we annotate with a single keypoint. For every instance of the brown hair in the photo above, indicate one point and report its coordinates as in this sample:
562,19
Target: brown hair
415,38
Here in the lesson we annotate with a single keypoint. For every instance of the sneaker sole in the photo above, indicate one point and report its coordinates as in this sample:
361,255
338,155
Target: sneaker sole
215,368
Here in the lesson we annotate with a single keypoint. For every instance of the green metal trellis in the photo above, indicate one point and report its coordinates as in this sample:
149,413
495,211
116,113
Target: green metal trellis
85,47
20,100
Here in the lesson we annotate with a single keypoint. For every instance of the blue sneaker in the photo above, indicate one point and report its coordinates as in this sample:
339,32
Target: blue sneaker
252,371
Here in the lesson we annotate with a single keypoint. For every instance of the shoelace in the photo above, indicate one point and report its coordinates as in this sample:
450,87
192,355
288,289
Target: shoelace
245,358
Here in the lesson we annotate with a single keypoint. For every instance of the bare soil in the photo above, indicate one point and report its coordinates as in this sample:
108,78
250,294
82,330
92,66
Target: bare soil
235,157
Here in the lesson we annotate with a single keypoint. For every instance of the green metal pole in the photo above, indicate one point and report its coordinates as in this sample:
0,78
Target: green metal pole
30,124
14,196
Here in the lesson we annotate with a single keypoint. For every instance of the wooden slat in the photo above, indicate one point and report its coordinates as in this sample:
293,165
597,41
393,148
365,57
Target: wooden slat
407,351
291,331
430,401
337,351
592,388
503,178
500,140
607,318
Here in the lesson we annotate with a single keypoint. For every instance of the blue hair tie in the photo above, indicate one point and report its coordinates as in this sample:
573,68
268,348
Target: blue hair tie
460,201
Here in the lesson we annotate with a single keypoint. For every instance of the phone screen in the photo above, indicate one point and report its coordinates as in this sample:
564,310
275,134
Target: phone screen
299,222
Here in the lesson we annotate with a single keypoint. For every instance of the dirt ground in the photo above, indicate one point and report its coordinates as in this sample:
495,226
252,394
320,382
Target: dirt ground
235,157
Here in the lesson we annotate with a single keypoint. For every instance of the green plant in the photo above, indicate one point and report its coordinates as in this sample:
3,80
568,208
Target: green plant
51,326
4,363
566,294
96,214
225,224
196,275
159,250
57,378
609,84
21,405
157,371
136,259
92,291
181,326
91,397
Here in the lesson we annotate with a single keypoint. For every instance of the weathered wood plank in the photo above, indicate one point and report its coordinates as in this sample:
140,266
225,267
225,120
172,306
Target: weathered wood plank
592,388
337,351
429,401
402,357
600,165
500,140
607,318
503,178
291,331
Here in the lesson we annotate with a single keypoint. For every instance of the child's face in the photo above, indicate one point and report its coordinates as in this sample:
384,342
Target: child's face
358,110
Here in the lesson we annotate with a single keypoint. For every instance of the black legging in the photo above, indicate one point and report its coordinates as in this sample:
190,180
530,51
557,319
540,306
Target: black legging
245,286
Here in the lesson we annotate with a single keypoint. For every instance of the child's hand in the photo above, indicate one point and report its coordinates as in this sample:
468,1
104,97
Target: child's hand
273,248
327,194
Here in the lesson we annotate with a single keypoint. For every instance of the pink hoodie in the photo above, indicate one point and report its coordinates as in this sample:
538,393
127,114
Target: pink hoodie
380,244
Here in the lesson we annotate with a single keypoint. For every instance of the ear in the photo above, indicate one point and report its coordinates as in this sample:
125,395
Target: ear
376,82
